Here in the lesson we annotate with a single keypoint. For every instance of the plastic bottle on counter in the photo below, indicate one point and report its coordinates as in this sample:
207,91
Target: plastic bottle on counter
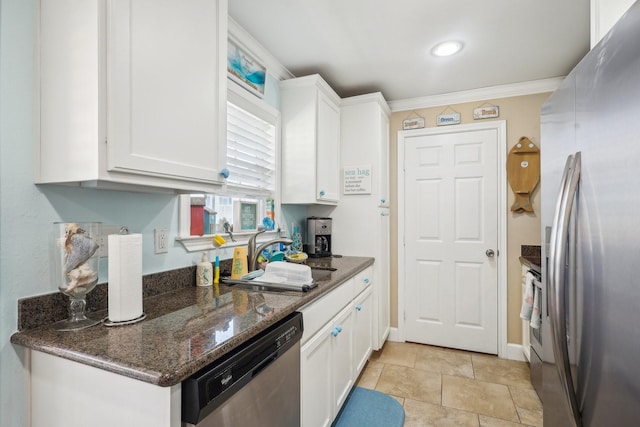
297,239
271,210
204,272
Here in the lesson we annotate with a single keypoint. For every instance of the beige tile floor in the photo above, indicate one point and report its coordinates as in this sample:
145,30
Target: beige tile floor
445,387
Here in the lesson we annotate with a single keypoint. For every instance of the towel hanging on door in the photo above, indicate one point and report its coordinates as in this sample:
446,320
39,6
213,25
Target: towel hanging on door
527,297
535,313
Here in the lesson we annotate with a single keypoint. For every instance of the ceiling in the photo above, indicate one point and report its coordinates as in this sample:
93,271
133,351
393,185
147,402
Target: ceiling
363,46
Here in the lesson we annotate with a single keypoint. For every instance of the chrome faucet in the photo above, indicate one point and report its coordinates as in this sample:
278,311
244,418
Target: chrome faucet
254,252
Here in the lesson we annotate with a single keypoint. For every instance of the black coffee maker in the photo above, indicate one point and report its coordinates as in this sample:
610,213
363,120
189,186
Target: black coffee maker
318,237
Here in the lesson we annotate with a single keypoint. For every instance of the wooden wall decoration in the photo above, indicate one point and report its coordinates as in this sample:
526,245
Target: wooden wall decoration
523,173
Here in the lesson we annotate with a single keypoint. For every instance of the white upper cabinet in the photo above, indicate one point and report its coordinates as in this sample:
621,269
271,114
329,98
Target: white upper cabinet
133,93
310,141
364,136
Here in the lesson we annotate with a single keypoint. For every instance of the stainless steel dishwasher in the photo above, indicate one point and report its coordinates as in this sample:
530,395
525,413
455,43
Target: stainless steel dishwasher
257,384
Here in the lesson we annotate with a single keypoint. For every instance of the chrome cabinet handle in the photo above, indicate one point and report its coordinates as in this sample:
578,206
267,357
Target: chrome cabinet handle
490,253
358,307
556,277
322,193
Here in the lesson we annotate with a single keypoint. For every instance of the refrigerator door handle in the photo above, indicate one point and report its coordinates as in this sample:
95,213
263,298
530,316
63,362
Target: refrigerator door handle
557,300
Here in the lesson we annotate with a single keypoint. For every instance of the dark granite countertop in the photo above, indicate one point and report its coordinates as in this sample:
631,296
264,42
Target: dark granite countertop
530,256
185,330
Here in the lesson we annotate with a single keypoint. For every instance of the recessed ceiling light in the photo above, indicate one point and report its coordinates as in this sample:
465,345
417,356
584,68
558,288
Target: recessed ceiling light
447,48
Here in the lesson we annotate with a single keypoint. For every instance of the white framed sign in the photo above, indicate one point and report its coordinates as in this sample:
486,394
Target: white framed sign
245,216
413,123
486,112
357,180
448,119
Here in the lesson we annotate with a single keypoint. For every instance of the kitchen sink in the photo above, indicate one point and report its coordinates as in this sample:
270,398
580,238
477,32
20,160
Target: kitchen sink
257,285
318,274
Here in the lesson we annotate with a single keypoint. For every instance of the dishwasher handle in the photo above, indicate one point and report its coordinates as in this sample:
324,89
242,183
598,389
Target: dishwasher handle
268,361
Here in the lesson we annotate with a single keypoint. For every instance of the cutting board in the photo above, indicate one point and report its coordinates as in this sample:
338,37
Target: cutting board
523,173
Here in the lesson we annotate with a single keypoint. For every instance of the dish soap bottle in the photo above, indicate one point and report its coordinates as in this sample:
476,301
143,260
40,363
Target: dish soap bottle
296,246
204,272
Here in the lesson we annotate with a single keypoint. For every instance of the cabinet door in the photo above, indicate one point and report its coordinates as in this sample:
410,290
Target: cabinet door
342,356
166,87
363,280
362,338
327,150
315,379
382,286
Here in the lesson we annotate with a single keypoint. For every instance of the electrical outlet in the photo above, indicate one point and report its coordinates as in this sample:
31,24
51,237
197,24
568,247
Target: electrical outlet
161,240
103,241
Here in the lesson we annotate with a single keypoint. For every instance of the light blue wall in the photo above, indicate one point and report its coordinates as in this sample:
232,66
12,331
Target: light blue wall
21,255
27,210
272,92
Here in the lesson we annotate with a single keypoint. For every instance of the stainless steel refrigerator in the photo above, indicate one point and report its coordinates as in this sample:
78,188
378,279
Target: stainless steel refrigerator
591,229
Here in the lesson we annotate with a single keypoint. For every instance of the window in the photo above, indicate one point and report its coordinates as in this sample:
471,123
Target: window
251,154
250,190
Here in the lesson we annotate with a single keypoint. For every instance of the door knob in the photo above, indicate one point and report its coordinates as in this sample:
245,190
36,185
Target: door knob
490,253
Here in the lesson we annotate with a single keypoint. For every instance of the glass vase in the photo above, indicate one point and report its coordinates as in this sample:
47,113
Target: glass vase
76,261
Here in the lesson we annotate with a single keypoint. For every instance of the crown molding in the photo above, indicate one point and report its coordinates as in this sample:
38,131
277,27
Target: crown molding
370,97
482,94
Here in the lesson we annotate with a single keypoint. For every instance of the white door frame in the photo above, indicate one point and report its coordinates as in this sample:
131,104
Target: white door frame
501,127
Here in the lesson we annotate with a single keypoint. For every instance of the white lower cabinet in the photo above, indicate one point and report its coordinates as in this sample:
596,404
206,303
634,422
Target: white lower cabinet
316,382
64,393
336,345
362,336
341,356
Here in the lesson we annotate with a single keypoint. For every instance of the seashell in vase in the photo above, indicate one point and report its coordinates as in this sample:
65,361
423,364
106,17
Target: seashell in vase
78,246
83,275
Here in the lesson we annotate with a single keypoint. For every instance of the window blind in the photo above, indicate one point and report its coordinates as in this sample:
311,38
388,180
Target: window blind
250,152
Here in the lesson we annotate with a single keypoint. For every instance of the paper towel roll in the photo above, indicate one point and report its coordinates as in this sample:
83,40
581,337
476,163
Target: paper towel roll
125,277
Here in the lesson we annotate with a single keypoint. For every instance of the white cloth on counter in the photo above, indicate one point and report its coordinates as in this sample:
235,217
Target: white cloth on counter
528,297
535,313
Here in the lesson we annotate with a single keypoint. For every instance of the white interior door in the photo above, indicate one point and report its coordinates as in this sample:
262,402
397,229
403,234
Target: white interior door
451,235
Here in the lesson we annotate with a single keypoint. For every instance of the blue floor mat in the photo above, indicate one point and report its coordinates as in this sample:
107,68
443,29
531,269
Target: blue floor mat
370,408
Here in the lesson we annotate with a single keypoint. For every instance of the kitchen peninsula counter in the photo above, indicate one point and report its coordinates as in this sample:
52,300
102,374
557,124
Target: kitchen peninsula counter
184,330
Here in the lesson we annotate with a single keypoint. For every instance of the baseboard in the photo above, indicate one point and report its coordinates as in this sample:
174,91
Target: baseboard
515,352
393,335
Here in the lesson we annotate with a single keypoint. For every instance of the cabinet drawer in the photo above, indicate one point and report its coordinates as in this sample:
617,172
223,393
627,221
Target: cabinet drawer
363,280
318,313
